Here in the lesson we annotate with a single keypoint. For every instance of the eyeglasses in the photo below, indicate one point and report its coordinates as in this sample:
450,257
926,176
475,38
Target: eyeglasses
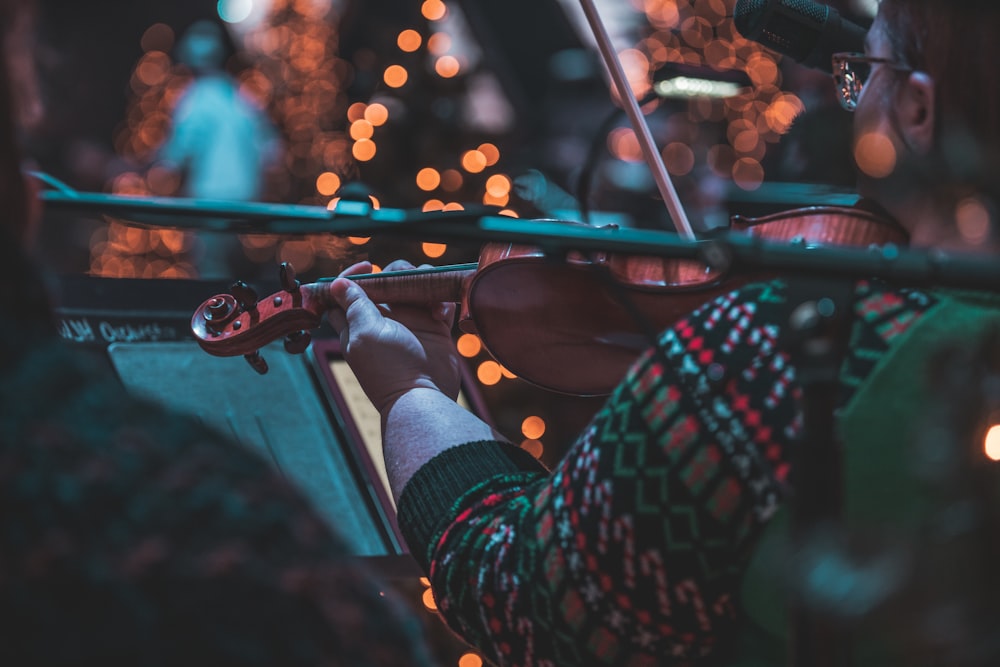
851,72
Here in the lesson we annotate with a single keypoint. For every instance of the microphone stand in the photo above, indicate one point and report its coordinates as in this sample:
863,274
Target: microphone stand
818,332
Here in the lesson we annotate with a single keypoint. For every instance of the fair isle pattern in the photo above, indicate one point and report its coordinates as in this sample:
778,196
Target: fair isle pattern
631,551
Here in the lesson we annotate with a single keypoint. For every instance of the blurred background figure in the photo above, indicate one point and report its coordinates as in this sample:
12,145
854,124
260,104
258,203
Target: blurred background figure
221,143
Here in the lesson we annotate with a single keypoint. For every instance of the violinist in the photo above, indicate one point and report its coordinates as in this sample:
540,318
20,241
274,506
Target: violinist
641,546
133,536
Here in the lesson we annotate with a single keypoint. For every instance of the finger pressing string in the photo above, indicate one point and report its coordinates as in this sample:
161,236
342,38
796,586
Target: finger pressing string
399,265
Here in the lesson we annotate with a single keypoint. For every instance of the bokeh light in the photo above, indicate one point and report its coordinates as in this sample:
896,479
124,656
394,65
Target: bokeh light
533,427
489,373
470,660
428,179
433,10
395,76
992,444
473,161
409,40
327,183
469,345
433,250
874,154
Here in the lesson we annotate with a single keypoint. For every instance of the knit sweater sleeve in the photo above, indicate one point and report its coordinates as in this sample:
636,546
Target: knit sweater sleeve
631,551
632,548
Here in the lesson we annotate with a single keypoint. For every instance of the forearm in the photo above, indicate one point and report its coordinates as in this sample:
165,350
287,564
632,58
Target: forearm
421,424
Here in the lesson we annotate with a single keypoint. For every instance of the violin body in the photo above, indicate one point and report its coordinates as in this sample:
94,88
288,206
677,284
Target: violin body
575,326
572,325
569,326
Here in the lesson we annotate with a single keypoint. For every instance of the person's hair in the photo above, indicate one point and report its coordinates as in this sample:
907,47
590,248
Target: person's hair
955,42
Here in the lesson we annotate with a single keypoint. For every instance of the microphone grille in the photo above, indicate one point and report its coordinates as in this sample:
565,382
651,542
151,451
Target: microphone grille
813,10
747,7
747,14
744,7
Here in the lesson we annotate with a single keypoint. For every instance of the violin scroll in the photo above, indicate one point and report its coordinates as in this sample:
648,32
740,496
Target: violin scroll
237,323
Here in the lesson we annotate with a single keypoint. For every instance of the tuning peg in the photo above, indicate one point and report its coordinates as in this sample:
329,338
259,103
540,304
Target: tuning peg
286,274
296,343
256,362
244,294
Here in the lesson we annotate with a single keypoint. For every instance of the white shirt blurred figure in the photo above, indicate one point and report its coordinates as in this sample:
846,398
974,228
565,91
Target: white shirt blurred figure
220,141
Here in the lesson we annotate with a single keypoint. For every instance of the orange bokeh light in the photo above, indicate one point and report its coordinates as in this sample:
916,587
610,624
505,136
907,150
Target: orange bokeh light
363,150
533,427
447,66
356,111
748,173
361,129
428,599
874,154
469,345
533,447
451,179
992,443
491,152
409,40
428,179
439,43
395,76
473,161
678,158
489,373
376,114
433,10
433,250
490,200
327,183
498,185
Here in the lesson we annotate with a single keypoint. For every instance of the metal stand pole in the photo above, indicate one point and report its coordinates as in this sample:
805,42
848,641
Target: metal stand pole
819,327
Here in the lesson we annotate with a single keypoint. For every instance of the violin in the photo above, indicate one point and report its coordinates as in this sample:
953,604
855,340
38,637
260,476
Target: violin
572,327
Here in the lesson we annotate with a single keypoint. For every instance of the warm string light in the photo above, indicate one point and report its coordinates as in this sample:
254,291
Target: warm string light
991,444
470,660
702,34
296,75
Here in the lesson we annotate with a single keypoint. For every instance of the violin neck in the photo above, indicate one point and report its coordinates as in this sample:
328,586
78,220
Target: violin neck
416,286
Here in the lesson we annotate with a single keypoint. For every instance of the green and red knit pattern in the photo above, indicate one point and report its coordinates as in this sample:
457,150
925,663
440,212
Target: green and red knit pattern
631,551
132,536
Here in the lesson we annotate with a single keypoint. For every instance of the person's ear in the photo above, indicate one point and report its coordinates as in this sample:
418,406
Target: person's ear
915,111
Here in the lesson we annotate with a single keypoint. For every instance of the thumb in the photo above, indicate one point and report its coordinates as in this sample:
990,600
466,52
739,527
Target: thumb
361,312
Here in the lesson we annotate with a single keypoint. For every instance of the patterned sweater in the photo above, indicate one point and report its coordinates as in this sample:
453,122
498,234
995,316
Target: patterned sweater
133,536
632,549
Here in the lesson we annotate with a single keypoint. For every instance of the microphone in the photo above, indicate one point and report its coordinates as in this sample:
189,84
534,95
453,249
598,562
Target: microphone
807,32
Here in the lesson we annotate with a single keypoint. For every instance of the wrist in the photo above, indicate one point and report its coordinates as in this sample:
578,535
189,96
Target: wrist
415,393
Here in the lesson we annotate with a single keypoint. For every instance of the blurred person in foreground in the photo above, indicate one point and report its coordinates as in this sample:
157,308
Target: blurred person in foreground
132,536
644,544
